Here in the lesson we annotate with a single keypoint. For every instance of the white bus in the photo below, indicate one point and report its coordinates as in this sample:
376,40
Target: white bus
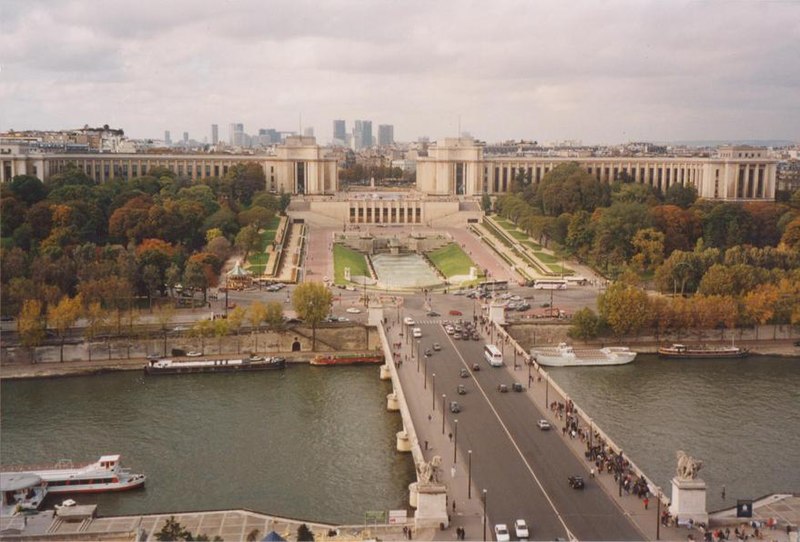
493,355
550,284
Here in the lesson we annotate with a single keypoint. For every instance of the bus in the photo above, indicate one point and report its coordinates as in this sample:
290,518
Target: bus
493,285
550,284
493,355
577,279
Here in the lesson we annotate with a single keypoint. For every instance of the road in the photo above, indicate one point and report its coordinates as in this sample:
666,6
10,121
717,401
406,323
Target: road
523,469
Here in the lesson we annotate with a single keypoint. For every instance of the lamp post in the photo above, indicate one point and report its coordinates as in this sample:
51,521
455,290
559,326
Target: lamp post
469,474
418,341
658,513
425,376
444,397
455,442
529,374
433,392
485,496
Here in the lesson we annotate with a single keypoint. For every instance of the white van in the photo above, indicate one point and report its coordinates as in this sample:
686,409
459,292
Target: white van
493,355
417,333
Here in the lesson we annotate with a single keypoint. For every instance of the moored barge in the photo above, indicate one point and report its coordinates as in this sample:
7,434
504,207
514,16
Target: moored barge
346,359
682,351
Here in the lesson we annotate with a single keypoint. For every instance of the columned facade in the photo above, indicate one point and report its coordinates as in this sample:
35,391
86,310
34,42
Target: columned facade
736,174
299,166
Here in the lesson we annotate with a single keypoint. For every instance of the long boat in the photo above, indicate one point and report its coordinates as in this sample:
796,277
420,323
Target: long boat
564,355
346,359
253,363
103,475
699,352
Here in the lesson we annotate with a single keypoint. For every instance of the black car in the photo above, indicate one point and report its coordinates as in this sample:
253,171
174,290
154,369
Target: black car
516,386
576,482
433,314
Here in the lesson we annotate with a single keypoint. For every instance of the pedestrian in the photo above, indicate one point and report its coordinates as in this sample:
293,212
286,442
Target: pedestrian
454,505
451,437
591,472
426,444
646,502
723,493
429,417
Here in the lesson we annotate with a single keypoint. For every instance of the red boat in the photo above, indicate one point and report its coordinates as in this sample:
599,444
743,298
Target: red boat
346,359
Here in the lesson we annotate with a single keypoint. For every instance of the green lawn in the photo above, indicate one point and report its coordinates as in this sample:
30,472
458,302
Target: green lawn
258,255
518,235
451,260
344,257
505,223
257,269
532,244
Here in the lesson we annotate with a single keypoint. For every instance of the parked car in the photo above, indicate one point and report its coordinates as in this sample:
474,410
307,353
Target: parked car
454,312
476,366
437,347
502,388
408,321
576,482
464,373
193,354
521,529
516,386
461,389
433,314
501,533
544,425
455,408
417,333
353,310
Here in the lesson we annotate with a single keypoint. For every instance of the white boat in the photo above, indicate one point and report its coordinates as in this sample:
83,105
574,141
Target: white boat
105,474
564,355
21,492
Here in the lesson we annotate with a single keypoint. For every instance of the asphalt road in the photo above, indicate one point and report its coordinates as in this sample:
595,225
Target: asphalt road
523,469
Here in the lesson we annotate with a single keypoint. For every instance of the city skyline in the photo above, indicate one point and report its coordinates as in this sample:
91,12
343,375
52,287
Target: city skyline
609,73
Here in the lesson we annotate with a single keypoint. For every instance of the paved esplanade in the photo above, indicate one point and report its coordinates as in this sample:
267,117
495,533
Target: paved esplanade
523,469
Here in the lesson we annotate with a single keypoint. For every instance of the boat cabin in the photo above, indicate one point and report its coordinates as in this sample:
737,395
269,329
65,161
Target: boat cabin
21,491
109,462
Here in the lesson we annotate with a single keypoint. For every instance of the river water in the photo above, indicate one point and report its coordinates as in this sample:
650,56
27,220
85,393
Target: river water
741,417
309,442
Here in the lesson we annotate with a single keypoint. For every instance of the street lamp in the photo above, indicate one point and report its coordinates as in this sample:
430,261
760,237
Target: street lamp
485,495
433,392
658,513
469,474
444,397
425,371
455,442
418,341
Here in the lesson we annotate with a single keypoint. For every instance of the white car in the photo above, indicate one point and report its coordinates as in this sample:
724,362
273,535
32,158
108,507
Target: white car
408,321
501,533
353,310
194,354
521,528
544,425
417,333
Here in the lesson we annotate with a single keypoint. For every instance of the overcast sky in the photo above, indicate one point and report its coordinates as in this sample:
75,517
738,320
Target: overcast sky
600,72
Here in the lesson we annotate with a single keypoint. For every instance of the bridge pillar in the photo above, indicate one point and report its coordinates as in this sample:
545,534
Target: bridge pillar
497,313
430,501
386,373
392,404
403,442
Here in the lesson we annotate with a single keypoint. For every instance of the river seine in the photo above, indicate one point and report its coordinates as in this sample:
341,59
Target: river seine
310,442
740,416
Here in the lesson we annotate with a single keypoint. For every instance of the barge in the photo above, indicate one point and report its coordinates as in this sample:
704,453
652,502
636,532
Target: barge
346,359
681,351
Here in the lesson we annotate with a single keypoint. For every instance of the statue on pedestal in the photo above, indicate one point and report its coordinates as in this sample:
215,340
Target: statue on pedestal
429,470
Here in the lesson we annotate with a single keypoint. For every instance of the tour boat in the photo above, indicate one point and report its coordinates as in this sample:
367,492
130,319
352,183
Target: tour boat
105,474
346,359
253,363
686,352
21,492
564,355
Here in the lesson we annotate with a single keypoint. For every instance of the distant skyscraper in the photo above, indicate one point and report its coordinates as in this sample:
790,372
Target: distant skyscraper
308,131
385,135
214,134
339,132
185,137
366,134
236,134
167,138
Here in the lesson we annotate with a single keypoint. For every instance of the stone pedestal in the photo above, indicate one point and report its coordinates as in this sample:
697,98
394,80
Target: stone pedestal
375,314
430,500
497,313
386,372
689,500
392,404
403,442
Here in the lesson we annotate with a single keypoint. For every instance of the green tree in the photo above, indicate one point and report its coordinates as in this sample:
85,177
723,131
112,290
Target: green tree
164,317
30,325
255,216
569,188
486,202
172,530
63,316
312,302
28,189
304,533
585,325
680,195
284,201
649,247
247,239
614,232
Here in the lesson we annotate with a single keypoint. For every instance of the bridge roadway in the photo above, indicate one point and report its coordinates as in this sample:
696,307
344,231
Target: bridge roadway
523,469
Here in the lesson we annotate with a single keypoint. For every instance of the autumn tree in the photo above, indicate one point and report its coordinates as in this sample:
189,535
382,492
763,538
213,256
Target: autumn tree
96,322
256,314
63,316
625,308
274,315
235,319
759,305
30,325
585,325
312,302
649,247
